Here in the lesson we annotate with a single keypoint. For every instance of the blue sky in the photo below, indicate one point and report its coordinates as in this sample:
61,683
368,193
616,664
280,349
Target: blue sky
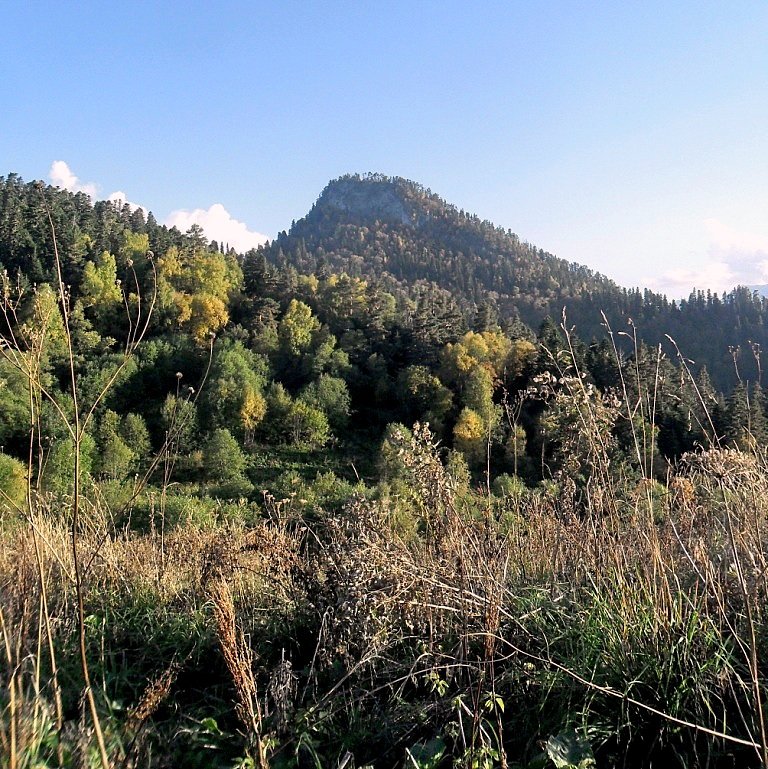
630,136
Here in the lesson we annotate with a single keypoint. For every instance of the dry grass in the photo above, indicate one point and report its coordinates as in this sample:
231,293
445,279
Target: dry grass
642,623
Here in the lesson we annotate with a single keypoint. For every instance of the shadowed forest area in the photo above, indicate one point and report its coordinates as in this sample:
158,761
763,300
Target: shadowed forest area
395,489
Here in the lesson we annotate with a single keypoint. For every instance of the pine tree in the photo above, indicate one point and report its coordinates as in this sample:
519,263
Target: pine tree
737,416
758,423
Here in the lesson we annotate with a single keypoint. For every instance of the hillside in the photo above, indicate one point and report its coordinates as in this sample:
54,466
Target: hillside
380,226
409,242
400,233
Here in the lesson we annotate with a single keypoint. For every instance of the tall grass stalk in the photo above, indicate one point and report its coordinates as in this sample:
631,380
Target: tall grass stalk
25,354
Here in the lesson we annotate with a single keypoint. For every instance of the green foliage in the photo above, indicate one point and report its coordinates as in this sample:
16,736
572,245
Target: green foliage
296,329
179,422
424,397
133,252
14,407
579,423
135,434
569,751
505,485
323,494
427,755
331,396
405,617
279,403
13,482
390,455
294,422
43,326
115,458
176,509
307,425
58,468
100,292
223,459
194,286
458,469
232,397
237,487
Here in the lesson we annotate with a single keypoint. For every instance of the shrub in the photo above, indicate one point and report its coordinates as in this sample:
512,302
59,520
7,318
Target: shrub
506,485
13,481
59,466
307,425
223,459
331,396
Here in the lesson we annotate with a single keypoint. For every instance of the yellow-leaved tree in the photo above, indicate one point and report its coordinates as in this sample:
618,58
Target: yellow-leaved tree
100,292
194,289
478,365
470,436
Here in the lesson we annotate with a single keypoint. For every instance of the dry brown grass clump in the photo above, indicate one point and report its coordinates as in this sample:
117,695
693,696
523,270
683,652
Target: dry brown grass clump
648,611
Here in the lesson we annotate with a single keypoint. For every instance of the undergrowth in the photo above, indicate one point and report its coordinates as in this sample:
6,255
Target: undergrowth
283,643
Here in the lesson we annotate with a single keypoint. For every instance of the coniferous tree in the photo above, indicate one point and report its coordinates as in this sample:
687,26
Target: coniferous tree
738,416
758,421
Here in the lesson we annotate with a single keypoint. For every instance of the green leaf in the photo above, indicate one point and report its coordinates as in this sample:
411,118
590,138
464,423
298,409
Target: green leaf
569,751
426,755
210,726
494,702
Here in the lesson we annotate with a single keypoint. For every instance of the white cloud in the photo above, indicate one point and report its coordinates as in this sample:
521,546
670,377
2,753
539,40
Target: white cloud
218,224
61,175
680,281
734,257
120,197
725,238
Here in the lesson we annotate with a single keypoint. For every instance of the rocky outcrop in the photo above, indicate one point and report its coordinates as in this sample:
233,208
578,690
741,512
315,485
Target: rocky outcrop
368,199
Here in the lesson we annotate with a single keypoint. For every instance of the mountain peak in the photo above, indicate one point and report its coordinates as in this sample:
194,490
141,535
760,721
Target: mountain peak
375,197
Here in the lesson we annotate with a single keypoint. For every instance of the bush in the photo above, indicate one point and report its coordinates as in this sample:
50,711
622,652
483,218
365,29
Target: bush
331,396
176,510
13,481
506,485
223,459
59,466
326,492
307,426
233,488
390,456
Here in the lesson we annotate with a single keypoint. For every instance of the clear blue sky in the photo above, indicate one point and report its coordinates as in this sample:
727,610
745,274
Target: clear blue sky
629,136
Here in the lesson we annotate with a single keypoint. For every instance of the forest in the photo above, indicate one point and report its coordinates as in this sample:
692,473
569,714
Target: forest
395,489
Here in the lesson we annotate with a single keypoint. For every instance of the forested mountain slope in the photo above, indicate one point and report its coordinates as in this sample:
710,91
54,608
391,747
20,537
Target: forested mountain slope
368,305
413,243
398,231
